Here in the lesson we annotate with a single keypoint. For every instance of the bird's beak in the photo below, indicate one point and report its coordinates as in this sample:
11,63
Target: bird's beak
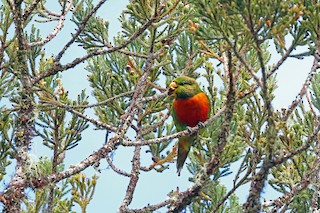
172,87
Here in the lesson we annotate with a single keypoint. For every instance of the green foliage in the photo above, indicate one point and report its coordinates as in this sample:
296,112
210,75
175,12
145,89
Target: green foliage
315,91
302,202
6,123
109,77
5,143
83,189
61,200
95,32
224,44
116,74
210,197
58,132
188,41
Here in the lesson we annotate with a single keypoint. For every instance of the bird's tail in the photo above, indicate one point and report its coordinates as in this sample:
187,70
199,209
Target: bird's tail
184,146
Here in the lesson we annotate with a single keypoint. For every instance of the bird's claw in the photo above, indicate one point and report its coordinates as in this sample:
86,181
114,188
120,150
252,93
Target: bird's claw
189,129
201,125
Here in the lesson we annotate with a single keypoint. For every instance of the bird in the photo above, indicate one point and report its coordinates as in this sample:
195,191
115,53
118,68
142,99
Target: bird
191,107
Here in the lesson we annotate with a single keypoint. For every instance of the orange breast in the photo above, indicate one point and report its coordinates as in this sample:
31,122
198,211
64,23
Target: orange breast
192,110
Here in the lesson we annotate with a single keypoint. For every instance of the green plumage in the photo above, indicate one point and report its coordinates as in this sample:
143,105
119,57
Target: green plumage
190,107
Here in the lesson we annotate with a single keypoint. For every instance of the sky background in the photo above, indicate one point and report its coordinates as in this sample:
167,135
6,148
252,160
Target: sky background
152,187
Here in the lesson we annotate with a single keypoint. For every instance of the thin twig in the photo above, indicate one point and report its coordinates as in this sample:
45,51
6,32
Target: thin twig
54,163
30,9
57,67
286,198
101,103
85,117
190,131
56,30
247,66
316,120
82,25
240,183
149,208
291,154
128,53
148,129
114,168
305,86
154,97
282,60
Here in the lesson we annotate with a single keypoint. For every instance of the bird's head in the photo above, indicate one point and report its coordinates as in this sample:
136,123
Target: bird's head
183,87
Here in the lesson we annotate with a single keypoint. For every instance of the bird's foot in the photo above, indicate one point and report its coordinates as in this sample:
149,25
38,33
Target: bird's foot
201,125
189,129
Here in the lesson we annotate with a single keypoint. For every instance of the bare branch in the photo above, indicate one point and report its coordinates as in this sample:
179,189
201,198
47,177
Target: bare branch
149,208
56,30
80,29
102,103
114,168
190,131
305,146
128,53
305,86
58,68
154,97
309,177
282,60
134,177
235,187
54,178
30,9
91,120
150,128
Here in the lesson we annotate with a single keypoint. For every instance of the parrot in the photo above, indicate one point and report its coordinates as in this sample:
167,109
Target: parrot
191,107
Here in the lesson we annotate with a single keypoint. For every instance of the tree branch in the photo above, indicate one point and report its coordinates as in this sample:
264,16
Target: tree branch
184,198
57,67
56,30
301,185
24,119
235,187
30,9
253,201
115,169
190,131
150,208
305,86
80,29
134,177
85,117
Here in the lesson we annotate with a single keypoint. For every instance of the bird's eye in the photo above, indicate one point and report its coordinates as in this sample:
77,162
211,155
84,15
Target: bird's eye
183,83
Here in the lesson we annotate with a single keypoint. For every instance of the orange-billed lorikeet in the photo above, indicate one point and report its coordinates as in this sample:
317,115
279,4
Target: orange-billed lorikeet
190,107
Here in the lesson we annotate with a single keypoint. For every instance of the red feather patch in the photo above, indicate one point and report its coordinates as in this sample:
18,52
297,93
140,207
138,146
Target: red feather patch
192,110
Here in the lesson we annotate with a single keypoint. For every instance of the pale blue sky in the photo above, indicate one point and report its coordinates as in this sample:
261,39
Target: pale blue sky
152,187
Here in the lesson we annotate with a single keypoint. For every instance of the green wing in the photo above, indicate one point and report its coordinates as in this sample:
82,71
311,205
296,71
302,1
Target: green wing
179,126
184,143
